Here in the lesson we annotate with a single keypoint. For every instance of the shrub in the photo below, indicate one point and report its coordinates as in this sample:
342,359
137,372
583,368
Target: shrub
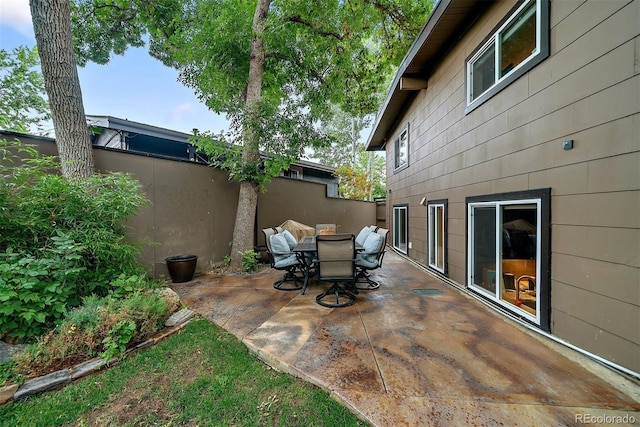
62,240
35,291
100,327
249,260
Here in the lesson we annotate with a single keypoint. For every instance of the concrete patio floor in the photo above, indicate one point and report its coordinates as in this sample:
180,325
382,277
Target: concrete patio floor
400,358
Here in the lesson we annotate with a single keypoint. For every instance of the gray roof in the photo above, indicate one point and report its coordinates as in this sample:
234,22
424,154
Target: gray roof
110,122
448,21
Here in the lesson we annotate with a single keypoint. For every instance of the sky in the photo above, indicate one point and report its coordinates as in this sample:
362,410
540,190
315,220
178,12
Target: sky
134,86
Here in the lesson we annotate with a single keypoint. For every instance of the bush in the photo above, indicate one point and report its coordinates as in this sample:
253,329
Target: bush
249,260
62,240
100,327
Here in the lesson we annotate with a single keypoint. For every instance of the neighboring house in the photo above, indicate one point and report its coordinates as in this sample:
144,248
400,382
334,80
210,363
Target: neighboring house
122,134
512,136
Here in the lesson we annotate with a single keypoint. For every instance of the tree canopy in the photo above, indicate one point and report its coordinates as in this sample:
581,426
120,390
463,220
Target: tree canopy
23,100
274,67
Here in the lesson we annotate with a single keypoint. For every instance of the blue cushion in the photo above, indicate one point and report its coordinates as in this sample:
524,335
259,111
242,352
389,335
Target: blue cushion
373,243
290,239
372,246
279,244
279,248
362,235
368,261
285,261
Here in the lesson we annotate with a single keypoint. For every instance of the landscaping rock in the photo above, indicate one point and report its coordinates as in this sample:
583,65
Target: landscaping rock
180,317
86,368
172,298
7,392
40,384
8,350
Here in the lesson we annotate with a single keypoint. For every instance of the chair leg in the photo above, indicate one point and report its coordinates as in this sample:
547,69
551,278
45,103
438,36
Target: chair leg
290,282
363,277
342,297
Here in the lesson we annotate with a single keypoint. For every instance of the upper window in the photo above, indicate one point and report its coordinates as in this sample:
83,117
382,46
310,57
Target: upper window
293,172
518,44
401,150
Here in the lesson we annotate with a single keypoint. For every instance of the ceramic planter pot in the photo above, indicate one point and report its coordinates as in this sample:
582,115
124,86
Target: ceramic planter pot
181,267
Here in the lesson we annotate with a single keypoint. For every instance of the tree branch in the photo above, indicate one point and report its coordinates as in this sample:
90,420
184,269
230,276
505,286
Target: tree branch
300,20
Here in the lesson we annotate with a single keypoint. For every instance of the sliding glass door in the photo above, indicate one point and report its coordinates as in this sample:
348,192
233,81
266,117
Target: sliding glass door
505,240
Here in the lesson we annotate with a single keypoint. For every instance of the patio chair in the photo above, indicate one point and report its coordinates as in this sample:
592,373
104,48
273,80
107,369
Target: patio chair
370,258
336,263
281,257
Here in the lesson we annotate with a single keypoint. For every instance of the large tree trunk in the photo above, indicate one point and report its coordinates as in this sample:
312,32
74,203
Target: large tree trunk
248,198
52,26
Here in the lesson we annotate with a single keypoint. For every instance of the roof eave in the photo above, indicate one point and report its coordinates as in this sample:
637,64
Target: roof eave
449,18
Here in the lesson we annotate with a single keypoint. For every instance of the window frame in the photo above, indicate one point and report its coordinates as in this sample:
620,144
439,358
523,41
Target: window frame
542,198
431,235
396,235
540,53
294,172
397,166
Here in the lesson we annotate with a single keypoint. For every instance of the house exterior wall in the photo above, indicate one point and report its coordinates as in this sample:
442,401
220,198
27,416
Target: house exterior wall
193,206
588,91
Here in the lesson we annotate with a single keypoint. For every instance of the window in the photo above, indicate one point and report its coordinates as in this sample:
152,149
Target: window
293,172
518,44
437,239
400,228
401,150
508,251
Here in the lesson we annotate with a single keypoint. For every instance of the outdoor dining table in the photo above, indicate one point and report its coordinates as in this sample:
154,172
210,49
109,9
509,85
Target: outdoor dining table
307,245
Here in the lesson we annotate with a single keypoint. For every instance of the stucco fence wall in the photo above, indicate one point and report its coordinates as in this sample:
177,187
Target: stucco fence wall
193,206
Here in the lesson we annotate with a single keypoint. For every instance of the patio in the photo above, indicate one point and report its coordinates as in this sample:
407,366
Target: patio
417,351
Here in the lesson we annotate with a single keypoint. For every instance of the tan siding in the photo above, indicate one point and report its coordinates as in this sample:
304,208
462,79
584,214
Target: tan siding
562,9
619,209
619,318
589,15
595,340
607,244
615,31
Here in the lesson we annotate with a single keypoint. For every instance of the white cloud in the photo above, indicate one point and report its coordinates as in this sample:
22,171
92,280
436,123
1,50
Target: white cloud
180,111
17,15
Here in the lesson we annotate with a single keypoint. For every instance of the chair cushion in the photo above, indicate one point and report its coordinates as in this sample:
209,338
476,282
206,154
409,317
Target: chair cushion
371,248
367,261
291,240
279,248
282,261
362,235
373,243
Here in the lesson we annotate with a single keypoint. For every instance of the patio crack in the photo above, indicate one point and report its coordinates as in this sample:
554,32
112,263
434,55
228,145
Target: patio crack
375,358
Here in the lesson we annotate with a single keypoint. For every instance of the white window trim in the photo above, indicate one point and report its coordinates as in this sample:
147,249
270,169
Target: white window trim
406,228
433,234
396,150
493,40
470,260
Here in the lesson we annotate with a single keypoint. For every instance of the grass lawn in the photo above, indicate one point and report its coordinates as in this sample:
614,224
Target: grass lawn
202,376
